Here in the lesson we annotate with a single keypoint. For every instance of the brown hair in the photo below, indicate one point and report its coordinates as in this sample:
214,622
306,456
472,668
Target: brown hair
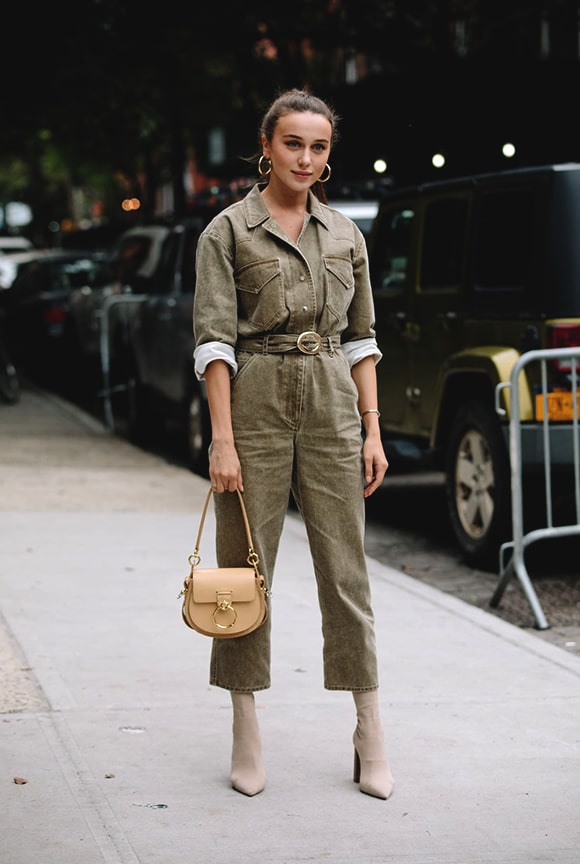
299,100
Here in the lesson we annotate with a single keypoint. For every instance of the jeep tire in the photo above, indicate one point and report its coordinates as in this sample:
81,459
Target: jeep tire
478,484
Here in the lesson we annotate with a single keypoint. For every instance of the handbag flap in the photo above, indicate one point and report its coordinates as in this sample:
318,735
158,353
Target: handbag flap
240,581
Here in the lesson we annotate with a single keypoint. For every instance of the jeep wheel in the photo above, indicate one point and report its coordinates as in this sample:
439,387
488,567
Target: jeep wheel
477,480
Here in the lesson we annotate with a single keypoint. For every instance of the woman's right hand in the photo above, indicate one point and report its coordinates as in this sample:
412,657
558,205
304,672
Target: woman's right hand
225,472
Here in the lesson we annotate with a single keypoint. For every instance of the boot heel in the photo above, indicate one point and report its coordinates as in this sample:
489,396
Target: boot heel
371,767
356,768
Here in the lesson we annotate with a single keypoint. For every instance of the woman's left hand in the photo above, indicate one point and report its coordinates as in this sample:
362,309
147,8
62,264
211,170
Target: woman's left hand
375,464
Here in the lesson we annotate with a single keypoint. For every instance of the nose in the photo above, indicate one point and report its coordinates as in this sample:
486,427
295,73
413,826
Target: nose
304,157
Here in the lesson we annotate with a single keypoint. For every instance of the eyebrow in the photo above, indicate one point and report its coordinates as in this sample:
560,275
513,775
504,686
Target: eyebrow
300,138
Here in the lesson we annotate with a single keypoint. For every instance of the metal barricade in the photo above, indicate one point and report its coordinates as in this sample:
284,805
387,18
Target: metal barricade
553,434
105,351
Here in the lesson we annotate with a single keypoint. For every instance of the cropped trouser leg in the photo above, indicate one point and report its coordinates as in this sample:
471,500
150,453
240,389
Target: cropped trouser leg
296,426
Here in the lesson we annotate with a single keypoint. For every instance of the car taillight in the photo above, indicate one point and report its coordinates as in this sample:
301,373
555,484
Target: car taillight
54,315
563,336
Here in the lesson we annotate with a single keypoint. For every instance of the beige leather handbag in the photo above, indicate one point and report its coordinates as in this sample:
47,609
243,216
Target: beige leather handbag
224,602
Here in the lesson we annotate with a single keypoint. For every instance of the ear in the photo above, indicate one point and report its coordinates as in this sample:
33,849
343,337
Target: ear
265,147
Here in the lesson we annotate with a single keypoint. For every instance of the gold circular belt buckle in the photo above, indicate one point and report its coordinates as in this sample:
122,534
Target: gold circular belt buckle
305,340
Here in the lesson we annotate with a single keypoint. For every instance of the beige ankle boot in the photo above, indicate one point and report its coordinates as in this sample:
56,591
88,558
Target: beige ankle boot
247,773
371,767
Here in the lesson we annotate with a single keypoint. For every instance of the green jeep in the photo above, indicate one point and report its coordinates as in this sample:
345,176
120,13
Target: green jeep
467,275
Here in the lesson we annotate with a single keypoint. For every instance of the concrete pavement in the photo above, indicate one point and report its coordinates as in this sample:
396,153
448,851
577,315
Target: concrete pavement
107,715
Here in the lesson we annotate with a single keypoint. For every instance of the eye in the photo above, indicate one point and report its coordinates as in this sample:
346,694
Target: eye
320,148
293,144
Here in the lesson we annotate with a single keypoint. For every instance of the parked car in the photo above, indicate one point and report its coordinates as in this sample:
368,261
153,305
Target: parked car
134,262
36,305
467,275
164,395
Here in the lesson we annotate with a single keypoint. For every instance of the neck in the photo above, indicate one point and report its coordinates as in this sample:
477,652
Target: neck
278,196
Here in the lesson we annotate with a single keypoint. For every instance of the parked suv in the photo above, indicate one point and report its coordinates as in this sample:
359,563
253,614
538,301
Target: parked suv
467,275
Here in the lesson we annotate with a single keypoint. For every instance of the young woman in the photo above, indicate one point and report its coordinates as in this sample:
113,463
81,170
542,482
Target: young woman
283,322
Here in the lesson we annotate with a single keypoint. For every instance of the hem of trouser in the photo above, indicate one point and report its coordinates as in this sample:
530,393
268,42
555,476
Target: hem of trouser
353,689
240,689
267,687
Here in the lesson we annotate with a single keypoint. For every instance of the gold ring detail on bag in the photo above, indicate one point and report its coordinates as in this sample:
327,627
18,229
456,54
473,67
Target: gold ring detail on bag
305,340
224,606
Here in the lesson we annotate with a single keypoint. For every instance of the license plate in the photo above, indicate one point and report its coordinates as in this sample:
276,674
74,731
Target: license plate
560,405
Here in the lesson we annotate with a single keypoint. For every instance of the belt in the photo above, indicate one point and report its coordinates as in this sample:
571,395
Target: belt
309,342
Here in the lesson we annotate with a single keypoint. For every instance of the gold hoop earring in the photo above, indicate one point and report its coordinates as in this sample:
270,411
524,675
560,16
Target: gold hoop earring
327,178
260,166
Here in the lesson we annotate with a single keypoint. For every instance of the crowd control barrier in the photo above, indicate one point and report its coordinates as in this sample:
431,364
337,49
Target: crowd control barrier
560,447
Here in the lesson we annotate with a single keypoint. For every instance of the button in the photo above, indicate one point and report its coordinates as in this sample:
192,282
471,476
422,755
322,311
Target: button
302,278
305,308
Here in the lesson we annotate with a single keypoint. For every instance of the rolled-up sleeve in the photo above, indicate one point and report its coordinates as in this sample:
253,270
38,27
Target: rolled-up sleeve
204,354
359,333
361,348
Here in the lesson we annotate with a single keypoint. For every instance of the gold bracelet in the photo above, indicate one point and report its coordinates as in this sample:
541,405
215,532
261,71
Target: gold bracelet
371,411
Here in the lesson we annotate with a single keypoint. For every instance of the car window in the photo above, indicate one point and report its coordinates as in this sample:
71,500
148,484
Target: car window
133,254
162,281
391,250
128,257
444,244
57,275
76,273
505,248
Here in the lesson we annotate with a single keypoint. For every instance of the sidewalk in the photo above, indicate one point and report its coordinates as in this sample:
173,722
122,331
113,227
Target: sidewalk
106,711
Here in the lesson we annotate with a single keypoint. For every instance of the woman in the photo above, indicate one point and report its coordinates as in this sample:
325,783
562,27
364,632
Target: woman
283,322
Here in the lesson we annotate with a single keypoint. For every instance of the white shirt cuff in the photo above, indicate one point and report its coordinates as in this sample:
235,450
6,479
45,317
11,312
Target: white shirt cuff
204,354
356,351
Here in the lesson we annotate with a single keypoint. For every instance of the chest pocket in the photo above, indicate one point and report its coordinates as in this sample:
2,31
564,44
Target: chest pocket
261,293
340,284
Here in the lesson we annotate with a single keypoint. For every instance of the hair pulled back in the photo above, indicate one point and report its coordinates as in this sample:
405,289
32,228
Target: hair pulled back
290,102
297,100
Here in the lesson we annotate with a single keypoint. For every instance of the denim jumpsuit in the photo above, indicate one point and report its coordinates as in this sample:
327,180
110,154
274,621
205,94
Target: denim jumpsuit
295,417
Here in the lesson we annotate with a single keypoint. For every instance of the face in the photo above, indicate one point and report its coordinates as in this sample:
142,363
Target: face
299,149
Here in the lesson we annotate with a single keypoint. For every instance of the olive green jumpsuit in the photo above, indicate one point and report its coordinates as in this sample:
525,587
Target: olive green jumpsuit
295,418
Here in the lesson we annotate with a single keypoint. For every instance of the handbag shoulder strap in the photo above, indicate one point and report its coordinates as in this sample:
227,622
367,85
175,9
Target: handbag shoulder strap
251,551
